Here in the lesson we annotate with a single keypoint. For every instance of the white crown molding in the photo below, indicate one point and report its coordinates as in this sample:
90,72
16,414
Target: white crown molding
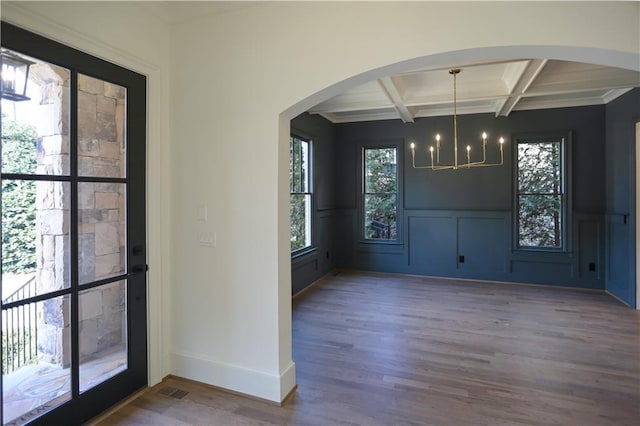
19,15
613,94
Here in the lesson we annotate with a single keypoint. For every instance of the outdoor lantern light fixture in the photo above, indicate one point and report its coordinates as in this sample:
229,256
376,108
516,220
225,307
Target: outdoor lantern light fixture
15,74
437,165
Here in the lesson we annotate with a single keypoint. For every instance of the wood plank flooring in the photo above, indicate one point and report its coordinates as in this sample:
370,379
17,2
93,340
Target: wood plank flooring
381,349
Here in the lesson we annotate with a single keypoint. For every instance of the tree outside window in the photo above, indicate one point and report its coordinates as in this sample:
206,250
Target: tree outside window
18,198
380,193
540,194
300,189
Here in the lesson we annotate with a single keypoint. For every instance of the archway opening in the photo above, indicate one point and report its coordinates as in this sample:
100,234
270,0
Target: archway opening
441,60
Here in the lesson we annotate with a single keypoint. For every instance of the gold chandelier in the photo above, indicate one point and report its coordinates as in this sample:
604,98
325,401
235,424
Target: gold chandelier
436,164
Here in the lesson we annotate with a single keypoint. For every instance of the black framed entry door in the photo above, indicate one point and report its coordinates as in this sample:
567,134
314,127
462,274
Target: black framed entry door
74,337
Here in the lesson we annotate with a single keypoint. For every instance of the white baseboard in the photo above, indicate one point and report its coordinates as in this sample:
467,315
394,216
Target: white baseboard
287,381
257,384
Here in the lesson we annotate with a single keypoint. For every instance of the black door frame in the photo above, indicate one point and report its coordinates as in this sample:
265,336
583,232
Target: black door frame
84,406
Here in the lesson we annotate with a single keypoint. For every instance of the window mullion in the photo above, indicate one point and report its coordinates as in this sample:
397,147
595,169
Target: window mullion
300,165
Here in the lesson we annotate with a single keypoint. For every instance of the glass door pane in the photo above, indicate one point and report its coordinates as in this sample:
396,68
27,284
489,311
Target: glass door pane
103,333
101,128
102,243
102,239
36,229
35,365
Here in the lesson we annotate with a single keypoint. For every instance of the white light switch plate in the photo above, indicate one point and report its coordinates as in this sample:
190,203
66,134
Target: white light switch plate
202,213
207,239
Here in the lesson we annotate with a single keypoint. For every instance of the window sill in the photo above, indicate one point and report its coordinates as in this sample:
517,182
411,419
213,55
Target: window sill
383,242
548,255
298,254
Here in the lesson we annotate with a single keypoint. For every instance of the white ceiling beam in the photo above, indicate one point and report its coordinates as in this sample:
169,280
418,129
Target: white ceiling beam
337,119
462,110
527,76
394,96
449,102
348,107
533,103
590,89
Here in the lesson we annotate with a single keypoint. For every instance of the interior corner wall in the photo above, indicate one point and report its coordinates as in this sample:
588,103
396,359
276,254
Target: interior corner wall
621,117
311,266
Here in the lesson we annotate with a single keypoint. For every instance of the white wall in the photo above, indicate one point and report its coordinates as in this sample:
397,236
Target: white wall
130,35
234,76
236,80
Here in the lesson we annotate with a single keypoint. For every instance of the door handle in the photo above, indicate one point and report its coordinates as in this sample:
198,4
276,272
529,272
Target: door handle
139,268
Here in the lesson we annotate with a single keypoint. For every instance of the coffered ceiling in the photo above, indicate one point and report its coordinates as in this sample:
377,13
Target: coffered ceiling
497,87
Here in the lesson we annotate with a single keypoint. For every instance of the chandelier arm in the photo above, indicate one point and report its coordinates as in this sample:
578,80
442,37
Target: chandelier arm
487,165
413,163
453,167
443,167
457,165
431,167
484,150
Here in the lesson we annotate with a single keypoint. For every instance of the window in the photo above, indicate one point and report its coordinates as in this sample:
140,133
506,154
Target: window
380,193
541,199
300,188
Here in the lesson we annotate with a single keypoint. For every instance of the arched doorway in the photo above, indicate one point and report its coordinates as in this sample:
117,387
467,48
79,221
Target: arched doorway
451,59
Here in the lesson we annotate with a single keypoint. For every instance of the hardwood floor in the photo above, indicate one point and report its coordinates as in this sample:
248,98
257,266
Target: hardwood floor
378,349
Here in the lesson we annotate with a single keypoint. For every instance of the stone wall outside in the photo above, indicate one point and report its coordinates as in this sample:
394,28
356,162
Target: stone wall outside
101,215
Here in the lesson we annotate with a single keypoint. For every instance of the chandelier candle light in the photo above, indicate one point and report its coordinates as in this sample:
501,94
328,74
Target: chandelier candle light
456,165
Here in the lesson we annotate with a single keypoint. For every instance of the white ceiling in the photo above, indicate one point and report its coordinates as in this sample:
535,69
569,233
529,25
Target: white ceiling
498,88
182,11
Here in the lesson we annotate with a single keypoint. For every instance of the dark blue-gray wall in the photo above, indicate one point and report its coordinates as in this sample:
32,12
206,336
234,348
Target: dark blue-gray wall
621,117
307,268
447,214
